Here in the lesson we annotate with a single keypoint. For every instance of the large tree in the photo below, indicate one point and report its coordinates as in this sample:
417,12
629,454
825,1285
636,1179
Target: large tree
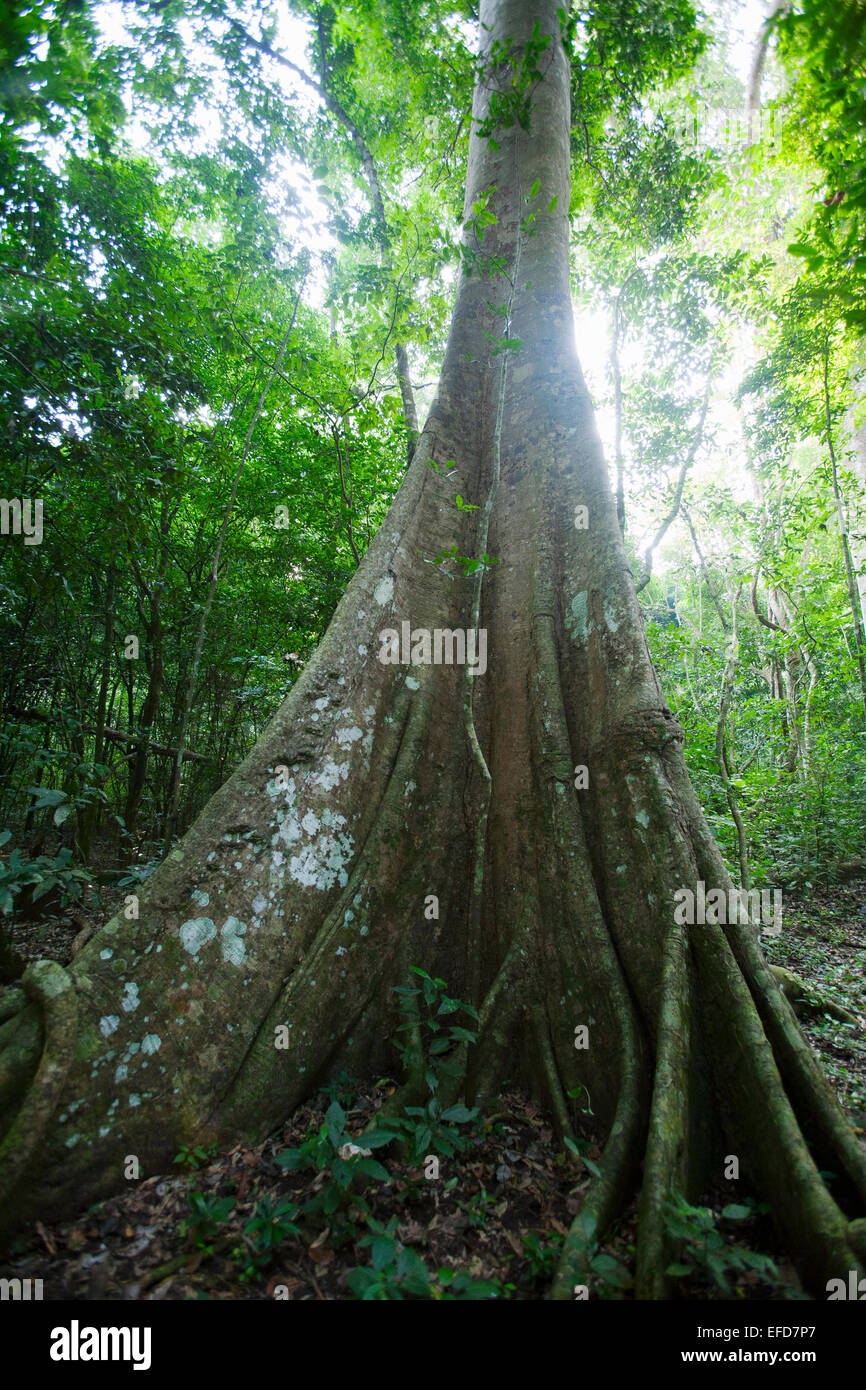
544,804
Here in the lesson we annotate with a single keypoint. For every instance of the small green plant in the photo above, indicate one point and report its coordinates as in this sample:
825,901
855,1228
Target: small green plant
207,1214
468,563
397,1272
610,1277
346,1163
705,1254
541,1250
478,1206
341,1088
34,878
269,1226
195,1158
428,1045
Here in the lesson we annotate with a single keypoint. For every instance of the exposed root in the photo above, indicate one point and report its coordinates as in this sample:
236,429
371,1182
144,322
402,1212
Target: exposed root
774,1152
814,1101
607,1192
47,985
666,1156
550,1072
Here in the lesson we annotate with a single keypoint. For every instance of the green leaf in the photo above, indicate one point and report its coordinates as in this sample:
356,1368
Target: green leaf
341,1171
335,1120
413,1273
384,1249
533,192
376,1139
735,1212
678,1271
373,1169
458,1114
458,1034
293,1158
46,796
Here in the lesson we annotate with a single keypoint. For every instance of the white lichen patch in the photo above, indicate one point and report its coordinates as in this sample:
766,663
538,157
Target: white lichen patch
106,954
409,788
130,1000
200,898
412,683
322,702
197,932
109,1024
322,863
233,948
350,735
362,650
384,590
51,981
642,818
310,823
610,617
260,902
576,619
331,775
151,1043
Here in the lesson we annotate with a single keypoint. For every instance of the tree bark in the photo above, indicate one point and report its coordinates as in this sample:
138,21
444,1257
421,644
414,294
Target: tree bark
298,895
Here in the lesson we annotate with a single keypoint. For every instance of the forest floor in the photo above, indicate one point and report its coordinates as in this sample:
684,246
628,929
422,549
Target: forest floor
490,1224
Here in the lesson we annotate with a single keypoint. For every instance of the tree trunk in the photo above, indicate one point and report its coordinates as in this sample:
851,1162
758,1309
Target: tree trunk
298,895
89,816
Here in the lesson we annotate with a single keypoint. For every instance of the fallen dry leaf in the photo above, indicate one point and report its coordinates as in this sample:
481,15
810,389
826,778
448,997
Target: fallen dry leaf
514,1243
46,1239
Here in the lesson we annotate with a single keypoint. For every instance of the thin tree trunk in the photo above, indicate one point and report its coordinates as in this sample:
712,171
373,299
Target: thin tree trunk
87,819
850,578
725,697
